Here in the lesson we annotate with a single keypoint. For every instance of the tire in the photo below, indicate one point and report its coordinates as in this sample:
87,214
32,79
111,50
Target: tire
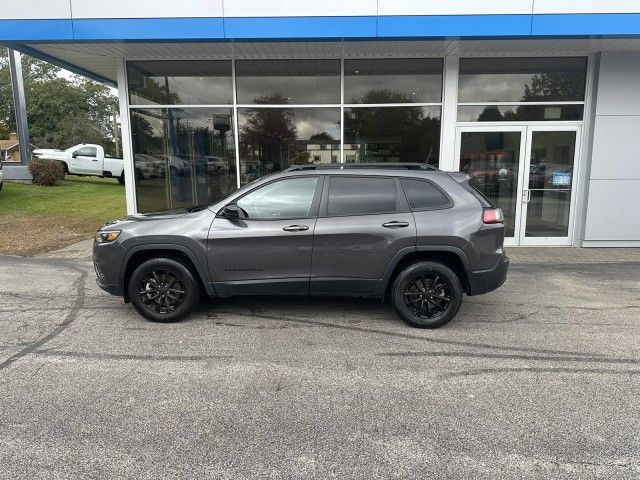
162,271
121,179
417,304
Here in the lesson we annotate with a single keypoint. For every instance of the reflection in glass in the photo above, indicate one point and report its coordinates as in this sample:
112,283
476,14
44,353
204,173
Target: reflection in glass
392,134
519,113
492,160
550,180
180,83
522,79
273,139
288,81
409,80
182,157
290,198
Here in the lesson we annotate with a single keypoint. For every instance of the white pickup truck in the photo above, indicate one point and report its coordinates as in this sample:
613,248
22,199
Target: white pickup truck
85,160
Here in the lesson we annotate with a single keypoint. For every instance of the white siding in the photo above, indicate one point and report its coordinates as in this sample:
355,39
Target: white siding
614,184
34,9
146,9
454,7
299,8
586,6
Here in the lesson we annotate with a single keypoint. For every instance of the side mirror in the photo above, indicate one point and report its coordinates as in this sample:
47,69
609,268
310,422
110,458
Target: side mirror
74,155
231,211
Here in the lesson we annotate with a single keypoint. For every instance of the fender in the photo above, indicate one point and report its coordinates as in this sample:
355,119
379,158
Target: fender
202,273
382,284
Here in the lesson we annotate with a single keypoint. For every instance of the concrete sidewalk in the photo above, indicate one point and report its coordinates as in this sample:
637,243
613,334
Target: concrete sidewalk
519,255
572,255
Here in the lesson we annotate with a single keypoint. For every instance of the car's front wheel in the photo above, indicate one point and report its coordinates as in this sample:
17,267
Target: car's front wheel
163,290
427,294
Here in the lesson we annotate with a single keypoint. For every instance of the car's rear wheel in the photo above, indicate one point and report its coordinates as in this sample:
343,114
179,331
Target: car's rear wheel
163,290
427,294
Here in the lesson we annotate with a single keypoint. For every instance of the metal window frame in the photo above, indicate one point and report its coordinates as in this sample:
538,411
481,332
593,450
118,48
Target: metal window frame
448,106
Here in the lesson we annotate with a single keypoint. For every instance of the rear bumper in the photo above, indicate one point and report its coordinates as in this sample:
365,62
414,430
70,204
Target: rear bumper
488,280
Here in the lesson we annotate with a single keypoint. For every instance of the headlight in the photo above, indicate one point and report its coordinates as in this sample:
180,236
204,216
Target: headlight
107,236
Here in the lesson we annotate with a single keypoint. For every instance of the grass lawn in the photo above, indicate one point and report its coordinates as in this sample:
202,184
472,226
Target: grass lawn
39,219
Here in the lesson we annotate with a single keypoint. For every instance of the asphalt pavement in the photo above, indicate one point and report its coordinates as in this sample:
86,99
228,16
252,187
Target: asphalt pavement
540,379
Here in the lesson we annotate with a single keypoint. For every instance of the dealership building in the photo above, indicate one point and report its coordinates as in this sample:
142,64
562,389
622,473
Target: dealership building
537,100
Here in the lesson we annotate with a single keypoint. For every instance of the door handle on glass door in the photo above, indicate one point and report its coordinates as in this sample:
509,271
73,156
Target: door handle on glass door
395,224
296,228
526,196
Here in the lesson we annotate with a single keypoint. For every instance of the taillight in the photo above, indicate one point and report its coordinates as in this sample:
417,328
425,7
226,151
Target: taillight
492,215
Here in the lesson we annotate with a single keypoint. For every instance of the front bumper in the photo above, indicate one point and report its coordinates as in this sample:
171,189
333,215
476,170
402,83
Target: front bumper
107,261
488,280
112,288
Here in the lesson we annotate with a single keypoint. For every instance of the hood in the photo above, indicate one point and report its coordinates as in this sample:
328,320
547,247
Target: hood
154,216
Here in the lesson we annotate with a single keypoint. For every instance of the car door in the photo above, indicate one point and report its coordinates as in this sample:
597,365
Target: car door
85,161
364,222
268,249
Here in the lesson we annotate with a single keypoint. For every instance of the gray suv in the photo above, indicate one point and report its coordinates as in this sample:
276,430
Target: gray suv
406,232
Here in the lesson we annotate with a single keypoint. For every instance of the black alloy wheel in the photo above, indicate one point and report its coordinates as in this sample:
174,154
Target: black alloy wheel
427,294
163,290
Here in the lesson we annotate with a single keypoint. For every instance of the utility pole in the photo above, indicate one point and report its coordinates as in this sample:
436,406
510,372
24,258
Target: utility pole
17,85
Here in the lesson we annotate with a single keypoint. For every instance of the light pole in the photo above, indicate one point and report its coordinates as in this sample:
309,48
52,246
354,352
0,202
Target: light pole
17,85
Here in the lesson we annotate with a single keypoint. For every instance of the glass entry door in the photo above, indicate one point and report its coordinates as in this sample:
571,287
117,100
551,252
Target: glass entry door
547,196
528,172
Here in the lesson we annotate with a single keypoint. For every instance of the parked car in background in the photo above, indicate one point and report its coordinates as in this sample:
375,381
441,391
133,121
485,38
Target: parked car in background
85,160
413,234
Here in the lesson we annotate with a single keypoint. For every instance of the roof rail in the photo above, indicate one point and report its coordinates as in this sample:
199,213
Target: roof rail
342,166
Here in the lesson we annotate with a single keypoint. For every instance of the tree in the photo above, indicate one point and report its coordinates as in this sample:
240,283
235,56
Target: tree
268,132
61,111
321,137
407,134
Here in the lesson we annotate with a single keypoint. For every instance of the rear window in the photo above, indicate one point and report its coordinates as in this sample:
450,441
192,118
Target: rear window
484,201
423,195
361,196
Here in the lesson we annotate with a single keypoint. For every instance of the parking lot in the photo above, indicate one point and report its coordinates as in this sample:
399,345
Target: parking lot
540,379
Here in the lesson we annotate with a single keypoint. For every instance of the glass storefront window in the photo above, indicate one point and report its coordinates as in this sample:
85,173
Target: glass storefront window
180,83
557,79
288,82
404,80
392,134
182,157
273,139
519,113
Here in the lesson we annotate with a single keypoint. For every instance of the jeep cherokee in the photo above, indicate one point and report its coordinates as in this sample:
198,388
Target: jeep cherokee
407,232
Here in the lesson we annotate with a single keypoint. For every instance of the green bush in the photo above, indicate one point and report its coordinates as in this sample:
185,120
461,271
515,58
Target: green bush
46,172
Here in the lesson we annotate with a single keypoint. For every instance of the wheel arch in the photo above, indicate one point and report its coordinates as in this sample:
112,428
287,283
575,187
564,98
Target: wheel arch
138,255
452,257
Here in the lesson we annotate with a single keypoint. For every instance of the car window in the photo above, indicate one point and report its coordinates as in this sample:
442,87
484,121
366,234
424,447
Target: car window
87,152
361,196
422,194
288,198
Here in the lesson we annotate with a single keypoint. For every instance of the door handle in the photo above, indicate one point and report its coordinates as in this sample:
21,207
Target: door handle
296,228
395,224
526,196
